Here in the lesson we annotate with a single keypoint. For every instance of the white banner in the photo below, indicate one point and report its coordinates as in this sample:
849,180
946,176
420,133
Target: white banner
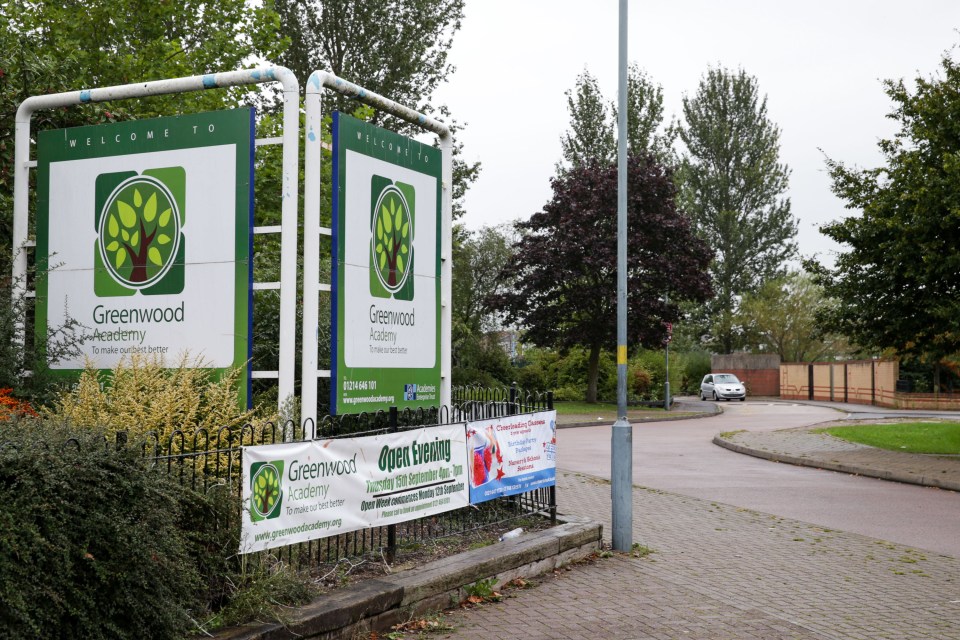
307,490
512,455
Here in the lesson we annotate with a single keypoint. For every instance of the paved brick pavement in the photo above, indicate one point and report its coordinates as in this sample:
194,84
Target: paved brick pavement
616,598
719,571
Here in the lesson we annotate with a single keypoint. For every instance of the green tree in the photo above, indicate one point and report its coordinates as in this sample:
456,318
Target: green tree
593,122
266,490
781,318
478,259
732,184
645,130
564,265
397,48
897,284
392,238
591,136
125,41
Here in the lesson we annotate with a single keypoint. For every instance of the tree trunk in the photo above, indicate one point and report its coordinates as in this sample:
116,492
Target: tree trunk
593,370
139,273
139,259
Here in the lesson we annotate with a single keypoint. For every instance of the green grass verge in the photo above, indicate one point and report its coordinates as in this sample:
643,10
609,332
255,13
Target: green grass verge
914,437
597,408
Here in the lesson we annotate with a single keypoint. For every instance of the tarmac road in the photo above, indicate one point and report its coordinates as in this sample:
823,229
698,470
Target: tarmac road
678,456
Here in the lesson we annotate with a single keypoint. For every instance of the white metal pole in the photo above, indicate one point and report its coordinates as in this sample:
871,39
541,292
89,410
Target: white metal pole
446,273
666,386
291,155
311,226
21,183
288,240
312,157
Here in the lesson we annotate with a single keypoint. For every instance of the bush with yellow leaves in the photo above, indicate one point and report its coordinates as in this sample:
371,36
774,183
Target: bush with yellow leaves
141,395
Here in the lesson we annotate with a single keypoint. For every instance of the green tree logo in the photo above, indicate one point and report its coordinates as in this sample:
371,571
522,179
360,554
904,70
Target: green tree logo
391,245
266,490
139,238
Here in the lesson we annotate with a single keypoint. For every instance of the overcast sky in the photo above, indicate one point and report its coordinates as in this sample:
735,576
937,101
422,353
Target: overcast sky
819,63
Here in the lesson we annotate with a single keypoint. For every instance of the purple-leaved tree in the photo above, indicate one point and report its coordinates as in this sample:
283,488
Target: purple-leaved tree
565,265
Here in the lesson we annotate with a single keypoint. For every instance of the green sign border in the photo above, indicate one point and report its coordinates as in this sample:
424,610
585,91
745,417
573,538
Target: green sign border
234,126
379,143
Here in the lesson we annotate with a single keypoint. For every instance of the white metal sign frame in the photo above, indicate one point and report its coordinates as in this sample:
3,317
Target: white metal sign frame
312,230
290,162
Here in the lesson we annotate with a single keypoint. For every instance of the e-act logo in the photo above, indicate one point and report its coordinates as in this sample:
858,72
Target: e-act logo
391,242
140,245
266,491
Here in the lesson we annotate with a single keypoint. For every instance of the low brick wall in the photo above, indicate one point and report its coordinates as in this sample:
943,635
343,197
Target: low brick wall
758,382
927,401
760,373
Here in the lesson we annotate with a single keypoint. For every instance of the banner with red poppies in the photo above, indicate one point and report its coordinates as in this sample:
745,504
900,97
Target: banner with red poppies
511,455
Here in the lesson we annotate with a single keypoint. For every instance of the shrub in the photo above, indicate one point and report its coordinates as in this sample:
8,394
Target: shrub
536,369
479,359
654,364
570,393
141,395
528,376
566,373
95,545
642,383
687,368
463,377
696,364
607,377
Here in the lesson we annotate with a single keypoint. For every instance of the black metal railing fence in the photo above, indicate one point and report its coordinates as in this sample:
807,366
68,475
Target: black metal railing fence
207,460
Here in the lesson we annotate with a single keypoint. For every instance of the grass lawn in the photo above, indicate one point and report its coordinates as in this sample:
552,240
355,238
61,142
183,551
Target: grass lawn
913,437
598,408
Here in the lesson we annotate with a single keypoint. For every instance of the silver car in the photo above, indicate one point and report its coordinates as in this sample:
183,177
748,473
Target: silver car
722,386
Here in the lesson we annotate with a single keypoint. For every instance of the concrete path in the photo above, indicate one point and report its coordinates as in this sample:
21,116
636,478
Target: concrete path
806,447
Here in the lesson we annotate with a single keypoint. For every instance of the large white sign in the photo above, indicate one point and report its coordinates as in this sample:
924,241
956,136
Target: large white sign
386,307
302,491
143,238
380,331
199,318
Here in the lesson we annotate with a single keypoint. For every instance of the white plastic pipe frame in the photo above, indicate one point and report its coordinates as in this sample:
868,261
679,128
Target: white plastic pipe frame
312,230
291,152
